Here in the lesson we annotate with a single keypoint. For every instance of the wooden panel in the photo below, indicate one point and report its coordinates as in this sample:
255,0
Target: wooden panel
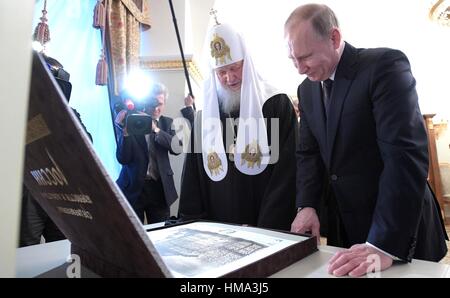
434,174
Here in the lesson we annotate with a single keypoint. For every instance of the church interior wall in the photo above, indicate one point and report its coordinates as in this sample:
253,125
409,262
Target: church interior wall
15,61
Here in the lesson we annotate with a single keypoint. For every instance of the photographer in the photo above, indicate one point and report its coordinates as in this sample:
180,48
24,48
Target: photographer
146,178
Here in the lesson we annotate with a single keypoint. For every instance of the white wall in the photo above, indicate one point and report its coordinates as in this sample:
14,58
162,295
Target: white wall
443,146
161,40
200,20
192,18
15,58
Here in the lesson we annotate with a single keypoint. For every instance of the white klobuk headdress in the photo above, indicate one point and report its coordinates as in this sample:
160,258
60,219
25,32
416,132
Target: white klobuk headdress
251,155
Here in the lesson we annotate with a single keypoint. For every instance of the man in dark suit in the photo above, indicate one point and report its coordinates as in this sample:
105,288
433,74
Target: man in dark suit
362,127
146,178
188,111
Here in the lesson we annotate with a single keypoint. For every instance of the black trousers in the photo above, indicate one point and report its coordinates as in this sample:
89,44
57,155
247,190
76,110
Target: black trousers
335,230
151,204
35,223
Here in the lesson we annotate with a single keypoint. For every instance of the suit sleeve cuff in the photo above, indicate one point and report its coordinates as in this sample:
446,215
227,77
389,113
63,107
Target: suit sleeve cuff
382,251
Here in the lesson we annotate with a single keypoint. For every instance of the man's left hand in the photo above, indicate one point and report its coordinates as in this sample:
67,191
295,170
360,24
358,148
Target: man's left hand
358,260
154,127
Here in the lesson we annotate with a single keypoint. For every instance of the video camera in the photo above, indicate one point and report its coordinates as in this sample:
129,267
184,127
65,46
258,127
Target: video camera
137,121
61,76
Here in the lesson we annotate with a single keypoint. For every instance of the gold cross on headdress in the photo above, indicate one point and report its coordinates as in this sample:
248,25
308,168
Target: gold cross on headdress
213,12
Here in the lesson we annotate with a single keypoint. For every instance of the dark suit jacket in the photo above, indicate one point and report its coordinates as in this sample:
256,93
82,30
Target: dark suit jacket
132,153
373,146
189,114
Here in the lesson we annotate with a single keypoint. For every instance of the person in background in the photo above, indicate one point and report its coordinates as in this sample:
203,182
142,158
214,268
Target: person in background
229,175
146,178
188,111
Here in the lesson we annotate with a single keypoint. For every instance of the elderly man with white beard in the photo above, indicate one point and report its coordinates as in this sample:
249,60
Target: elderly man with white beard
241,168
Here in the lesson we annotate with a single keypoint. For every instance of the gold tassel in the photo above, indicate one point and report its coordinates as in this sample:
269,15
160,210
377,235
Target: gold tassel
99,15
101,76
41,32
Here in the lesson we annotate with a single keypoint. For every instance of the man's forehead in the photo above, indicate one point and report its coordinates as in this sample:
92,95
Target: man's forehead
229,66
160,97
299,31
300,39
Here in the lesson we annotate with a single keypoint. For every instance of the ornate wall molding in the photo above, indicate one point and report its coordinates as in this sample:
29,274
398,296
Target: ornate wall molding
173,64
440,12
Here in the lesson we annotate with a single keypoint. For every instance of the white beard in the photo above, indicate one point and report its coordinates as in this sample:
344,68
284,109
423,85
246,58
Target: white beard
229,100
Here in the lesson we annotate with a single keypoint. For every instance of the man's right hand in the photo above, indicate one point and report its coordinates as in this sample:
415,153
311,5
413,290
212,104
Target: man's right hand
307,221
120,119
